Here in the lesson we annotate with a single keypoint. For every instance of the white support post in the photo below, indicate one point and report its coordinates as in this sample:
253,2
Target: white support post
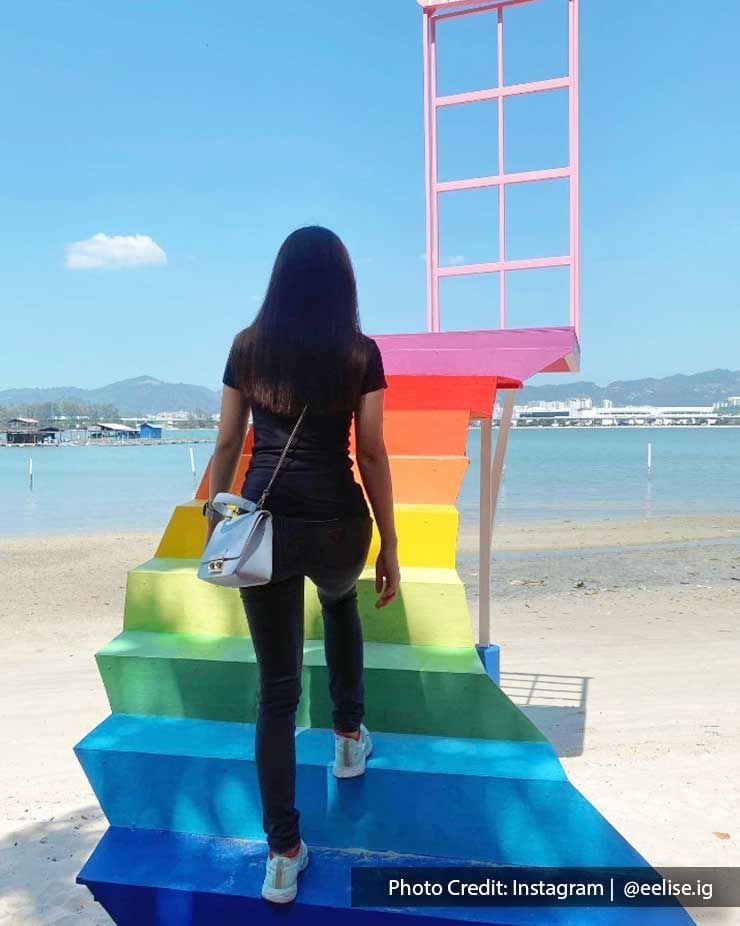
497,471
484,542
491,475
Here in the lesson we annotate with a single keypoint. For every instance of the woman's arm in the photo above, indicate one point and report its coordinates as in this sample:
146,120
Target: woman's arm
372,459
229,443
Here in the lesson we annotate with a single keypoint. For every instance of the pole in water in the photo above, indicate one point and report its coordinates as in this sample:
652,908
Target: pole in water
30,473
192,463
650,458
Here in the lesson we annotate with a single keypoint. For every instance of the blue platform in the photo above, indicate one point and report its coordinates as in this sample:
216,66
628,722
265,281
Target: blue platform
155,878
499,802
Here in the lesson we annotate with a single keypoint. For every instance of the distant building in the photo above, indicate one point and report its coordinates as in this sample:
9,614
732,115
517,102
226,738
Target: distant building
543,414
731,406
150,431
49,435
27,431
23,431
121,431
611,415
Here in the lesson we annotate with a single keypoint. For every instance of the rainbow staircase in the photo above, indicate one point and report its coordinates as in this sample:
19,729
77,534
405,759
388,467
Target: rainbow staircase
459,775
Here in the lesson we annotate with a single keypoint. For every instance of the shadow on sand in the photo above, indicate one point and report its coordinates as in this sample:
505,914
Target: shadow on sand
39,862
556,704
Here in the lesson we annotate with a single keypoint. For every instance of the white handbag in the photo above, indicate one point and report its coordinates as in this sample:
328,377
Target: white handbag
239,552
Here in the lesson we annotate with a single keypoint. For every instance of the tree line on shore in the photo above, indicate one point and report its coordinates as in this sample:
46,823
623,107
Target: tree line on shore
63,414
68,415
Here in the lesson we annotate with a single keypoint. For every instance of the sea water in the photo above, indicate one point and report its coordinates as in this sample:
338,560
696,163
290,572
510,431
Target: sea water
591,474
550,474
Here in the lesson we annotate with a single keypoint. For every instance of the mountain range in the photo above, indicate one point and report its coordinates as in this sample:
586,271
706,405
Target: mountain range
696,389
142,395
147,395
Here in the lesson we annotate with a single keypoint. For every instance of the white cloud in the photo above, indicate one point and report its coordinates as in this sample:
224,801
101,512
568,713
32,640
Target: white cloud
454,259
114,252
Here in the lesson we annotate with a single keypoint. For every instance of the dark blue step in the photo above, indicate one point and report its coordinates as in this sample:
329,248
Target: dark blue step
162,878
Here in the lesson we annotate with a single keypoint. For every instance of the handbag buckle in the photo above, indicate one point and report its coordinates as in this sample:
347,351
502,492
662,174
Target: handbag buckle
215,565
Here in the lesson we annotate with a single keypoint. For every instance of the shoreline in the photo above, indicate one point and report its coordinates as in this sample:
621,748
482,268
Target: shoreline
150,441
113,442
562,534
570,534
623,427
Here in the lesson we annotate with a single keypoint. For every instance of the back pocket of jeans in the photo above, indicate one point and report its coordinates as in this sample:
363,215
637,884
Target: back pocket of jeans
346,542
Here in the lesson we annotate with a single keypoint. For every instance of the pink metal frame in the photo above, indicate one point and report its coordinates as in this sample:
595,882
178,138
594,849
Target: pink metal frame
436,11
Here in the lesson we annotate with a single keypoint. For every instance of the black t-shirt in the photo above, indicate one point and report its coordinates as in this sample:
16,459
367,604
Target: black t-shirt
315,481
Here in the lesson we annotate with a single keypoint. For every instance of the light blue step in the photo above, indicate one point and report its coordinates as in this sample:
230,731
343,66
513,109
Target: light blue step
155,878
495,801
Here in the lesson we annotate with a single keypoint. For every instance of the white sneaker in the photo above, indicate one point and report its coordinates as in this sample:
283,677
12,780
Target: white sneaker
281,876
350,754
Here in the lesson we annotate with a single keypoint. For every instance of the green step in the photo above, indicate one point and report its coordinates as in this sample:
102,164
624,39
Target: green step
432,690
166,595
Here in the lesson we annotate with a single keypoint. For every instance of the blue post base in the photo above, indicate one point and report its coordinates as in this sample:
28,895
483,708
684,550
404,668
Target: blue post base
490,656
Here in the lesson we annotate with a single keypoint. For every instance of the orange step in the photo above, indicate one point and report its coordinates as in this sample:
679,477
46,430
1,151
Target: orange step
419,432
416,479
425,480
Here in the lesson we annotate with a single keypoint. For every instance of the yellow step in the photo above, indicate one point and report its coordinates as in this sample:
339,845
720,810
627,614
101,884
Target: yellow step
427,535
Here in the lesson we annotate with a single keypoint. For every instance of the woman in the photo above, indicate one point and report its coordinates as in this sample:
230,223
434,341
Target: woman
305,349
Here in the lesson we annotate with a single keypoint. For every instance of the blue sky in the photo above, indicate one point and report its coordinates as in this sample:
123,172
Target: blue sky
214,129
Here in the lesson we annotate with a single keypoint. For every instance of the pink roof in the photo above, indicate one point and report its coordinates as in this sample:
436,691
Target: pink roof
441,4
436,3
512,353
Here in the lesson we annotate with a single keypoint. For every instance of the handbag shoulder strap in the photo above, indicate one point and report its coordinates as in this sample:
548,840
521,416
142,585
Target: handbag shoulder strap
263,497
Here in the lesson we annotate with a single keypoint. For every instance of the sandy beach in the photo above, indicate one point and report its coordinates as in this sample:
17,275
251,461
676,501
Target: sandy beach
620,639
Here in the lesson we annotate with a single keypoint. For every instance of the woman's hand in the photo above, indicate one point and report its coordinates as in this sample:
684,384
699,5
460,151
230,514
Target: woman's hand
229,444
387,576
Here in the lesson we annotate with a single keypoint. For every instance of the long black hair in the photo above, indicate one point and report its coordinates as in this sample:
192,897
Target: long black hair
305,346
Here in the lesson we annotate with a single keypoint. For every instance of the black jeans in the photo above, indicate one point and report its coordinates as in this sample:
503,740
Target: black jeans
332,554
